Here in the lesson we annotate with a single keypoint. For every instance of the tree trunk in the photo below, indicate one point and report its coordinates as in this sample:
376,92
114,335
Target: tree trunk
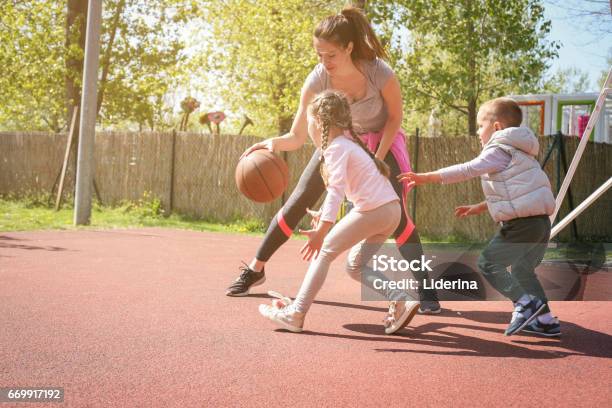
472,112
105,63
75,31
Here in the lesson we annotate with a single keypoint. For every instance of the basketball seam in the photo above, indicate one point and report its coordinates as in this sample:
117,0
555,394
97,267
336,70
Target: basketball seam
264,179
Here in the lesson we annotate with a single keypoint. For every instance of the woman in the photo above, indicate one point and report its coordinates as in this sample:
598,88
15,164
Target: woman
351,61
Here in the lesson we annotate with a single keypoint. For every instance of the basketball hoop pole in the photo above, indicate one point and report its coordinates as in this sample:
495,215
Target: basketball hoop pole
582,146
85,158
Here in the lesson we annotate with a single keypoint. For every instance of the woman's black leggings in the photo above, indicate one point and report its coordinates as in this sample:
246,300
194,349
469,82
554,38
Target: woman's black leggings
309,189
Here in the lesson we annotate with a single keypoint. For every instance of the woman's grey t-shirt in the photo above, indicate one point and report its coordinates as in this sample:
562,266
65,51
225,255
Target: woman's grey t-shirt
370,112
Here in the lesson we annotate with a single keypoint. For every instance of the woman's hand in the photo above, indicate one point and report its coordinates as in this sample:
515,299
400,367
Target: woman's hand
268,144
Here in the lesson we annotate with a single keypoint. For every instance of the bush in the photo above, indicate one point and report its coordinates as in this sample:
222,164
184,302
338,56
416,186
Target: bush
250,225
147,206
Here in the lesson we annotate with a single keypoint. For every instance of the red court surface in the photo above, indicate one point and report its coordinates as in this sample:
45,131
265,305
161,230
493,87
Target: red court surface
138,318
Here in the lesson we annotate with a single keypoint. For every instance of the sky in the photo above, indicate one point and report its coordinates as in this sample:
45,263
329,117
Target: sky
581,47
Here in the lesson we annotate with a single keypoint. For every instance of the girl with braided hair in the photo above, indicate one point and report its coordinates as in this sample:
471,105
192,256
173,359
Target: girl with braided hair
352,61
347,168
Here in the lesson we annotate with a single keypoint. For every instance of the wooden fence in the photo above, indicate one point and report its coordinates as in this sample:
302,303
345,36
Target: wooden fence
193,174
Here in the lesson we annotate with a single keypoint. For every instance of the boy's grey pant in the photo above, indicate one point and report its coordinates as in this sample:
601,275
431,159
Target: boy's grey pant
520,244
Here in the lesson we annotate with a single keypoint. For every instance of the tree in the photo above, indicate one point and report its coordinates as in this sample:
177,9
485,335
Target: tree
463,52
74,42
569,80
142,59
31,65
359,4
259,54
604,73
41,58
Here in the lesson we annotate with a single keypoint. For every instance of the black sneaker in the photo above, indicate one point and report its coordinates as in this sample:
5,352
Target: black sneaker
524,314
429,307
552,329
245,281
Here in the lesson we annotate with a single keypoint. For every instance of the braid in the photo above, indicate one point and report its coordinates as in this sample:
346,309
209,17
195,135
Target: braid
324,143
380,165
333,111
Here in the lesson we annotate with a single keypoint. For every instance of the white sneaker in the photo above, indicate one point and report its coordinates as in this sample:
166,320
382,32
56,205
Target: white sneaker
285,317
399,315
279,300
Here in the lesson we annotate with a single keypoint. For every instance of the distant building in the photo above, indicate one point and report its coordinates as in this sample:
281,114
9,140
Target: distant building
546,114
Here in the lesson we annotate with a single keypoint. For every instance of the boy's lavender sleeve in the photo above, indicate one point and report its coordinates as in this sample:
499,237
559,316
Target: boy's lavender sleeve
489,161
336,162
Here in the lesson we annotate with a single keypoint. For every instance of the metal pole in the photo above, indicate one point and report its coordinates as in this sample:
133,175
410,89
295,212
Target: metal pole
558,136
551,148
415,169
583,206
172,169
582,145
87,129
570,199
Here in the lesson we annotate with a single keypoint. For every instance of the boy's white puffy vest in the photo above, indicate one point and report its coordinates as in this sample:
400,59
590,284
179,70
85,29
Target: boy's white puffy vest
522,189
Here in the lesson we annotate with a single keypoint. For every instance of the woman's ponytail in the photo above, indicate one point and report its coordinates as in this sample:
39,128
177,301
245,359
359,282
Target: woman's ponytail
366,46
351,25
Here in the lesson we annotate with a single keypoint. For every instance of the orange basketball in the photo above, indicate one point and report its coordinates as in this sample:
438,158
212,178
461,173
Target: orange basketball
262,176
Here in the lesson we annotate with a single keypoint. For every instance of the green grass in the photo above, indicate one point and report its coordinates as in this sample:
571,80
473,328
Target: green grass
33,212
28,214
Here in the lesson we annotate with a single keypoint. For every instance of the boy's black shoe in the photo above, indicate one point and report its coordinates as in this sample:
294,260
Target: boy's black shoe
552,329
428,301
524,314
429,307
245,281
